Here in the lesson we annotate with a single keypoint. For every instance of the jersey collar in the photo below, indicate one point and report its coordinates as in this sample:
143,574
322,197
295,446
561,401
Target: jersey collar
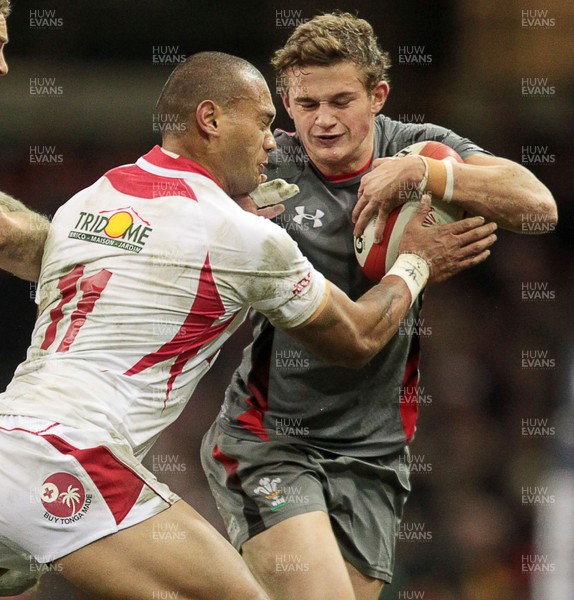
169,160
351,175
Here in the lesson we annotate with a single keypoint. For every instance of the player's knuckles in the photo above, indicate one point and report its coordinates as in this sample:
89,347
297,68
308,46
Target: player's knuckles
361,203
378,162
469,224
451,241
476,248
371,194
486,242
480,234
365,198
366,181
359,209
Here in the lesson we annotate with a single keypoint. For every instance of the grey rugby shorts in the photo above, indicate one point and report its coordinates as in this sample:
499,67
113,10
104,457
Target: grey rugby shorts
259,484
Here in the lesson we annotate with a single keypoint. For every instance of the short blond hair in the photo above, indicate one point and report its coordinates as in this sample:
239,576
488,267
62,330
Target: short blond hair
5,7
332,38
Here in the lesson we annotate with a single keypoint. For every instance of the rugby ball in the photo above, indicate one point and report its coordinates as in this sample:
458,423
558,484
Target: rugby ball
376,259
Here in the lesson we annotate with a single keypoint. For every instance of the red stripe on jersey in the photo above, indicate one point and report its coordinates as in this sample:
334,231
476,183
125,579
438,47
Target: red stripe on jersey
92,288
119,485
156,156
196,331
67,286
251,512
351,175
409,405
252,420
134,181
232,481
258,385
229,464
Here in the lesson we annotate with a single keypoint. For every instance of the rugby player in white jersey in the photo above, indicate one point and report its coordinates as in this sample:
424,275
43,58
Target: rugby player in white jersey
307,461
144,276
13,582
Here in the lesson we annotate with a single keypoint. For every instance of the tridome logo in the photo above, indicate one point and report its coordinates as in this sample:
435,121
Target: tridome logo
122,228
118,224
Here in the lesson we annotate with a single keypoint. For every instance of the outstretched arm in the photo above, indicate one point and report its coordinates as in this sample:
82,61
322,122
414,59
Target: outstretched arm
22,237
490,186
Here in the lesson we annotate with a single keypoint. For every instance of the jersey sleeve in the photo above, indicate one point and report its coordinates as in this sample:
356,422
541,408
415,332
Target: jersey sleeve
274,277
399,135
292,291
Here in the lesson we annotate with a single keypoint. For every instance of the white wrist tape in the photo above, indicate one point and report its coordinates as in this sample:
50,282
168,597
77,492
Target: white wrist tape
449,187
273,192
438,179
413,270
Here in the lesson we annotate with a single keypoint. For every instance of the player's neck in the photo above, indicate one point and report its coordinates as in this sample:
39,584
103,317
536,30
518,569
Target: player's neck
348,173
348,166
182,147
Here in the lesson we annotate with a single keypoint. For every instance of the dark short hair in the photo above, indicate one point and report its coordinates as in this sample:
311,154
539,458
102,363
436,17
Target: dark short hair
203,76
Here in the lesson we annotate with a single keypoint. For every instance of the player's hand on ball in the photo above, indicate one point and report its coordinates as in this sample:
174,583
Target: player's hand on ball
451,248
379,191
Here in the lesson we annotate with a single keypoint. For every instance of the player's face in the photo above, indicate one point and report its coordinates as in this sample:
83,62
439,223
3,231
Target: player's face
249,139
3,42
334,115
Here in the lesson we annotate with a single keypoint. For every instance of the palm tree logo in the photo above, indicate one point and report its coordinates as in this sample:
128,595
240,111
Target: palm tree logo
70,497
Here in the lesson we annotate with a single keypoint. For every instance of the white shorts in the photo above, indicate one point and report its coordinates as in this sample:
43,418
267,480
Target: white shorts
62,488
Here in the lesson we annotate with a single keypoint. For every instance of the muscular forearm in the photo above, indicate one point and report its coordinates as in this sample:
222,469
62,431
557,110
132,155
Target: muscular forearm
379,313
350,333
505,192
22,238
492,187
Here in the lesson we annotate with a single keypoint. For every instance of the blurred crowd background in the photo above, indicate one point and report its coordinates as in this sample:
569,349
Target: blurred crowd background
490,516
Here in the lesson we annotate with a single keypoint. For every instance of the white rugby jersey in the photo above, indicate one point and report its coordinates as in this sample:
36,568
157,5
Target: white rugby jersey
145,274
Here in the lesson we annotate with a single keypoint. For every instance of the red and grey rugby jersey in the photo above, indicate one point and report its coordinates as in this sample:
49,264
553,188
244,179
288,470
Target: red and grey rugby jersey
281,391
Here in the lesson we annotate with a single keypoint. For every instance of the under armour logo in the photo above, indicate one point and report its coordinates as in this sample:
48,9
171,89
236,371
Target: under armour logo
301,214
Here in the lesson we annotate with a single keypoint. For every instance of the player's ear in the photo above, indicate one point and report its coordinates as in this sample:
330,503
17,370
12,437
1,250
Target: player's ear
286,103
379,96
207,117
